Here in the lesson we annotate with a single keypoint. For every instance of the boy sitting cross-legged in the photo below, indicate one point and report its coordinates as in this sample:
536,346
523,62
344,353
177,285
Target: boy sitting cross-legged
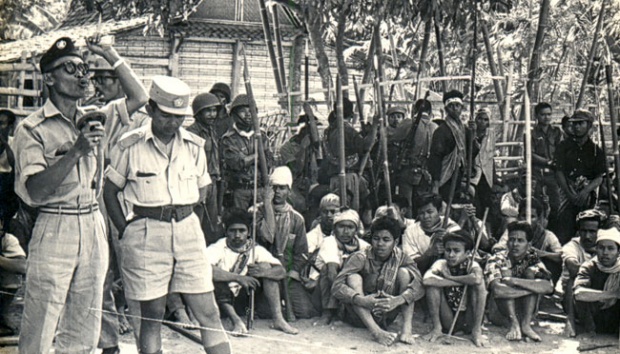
445,282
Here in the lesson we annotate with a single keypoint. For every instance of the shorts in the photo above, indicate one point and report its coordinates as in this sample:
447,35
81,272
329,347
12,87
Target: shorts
164,257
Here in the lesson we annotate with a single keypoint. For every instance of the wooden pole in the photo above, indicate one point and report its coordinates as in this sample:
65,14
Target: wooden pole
359,104
614,126
423,54
528,157
442,64
342,176
269,42
307,73
279,52
472,103
384,145
586,74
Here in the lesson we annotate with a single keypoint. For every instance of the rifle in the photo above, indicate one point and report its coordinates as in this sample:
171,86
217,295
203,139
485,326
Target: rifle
408,144
262,160
383,141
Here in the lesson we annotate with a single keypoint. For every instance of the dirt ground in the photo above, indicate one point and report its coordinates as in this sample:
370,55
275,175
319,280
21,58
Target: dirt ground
342,338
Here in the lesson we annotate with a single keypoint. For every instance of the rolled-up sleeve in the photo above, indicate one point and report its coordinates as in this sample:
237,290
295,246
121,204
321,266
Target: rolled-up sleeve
29,159
353,265
118,169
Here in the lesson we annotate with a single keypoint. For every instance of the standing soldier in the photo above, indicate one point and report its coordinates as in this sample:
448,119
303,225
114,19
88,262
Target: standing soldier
162,170
484,164
412,177
56,172
205,107
238,154
448,149
223,121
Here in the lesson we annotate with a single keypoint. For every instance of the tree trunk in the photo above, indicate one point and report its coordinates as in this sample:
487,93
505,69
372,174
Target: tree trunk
534,69
496,84
340,29
423,54
442,64
297,54
313,24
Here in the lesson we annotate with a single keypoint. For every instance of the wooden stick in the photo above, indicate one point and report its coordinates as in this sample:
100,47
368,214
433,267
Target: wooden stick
528,157
342,176
595,39
270,50
250,317
278,37
613,120
472,104
469,266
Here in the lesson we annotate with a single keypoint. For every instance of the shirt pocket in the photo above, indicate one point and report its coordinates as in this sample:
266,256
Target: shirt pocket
188,183
70,181
150,186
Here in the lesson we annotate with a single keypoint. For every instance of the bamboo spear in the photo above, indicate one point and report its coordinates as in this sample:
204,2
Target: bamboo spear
528,156
342,176
307,73
599,25
278,36
472,103
384,147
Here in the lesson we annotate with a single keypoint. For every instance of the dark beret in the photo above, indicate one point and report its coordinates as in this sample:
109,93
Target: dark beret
62,47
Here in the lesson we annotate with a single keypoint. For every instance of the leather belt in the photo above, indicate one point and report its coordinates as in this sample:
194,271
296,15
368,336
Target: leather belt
67,210
164,213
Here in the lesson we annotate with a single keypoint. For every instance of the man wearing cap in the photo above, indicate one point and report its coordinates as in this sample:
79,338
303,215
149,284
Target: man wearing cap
56,171
449,149
354,147
223,121
410,160
282,230
334,251
545,140
238,154
162,171
576,252
395,116
580,169
205,107
597,286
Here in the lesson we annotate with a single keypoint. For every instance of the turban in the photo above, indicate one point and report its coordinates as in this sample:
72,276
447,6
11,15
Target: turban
611,234
281,176
328,200
347,215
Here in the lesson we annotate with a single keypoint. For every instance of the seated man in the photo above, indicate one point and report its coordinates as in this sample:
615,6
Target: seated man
237,262
515,278
576,252
445,283
329,206
379,283
332,255
544,242
422,241
12,266
597,286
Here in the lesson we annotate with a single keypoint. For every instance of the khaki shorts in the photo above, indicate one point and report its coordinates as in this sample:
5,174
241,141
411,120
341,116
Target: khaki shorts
161,257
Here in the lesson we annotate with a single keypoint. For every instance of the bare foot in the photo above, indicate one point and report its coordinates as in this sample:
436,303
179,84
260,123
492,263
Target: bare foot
528,332
384,337
478,339
324,320
406,338
283,326
569,329
433,335
514,333
123,324
239,329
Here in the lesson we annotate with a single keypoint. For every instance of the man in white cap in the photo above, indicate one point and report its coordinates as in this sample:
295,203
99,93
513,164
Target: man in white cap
162,171
282,230
57,172
597,286
333,253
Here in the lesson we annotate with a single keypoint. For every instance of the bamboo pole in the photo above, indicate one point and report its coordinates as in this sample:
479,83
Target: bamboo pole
306,72
442,64
423,55
528,158
472,97
279,53
599,25
614,126
342,176
269,43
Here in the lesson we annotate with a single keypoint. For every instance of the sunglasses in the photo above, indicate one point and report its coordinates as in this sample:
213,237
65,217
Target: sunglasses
100,80
72,68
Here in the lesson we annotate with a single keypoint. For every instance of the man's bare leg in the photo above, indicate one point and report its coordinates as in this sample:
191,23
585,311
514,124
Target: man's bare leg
214,337
150,327
570,328
384,337
477,305
508,308
403,278
272,293
239,328
527,308
435,300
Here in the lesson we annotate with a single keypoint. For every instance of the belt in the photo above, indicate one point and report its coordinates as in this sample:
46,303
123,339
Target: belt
164,213
241,185
66,210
